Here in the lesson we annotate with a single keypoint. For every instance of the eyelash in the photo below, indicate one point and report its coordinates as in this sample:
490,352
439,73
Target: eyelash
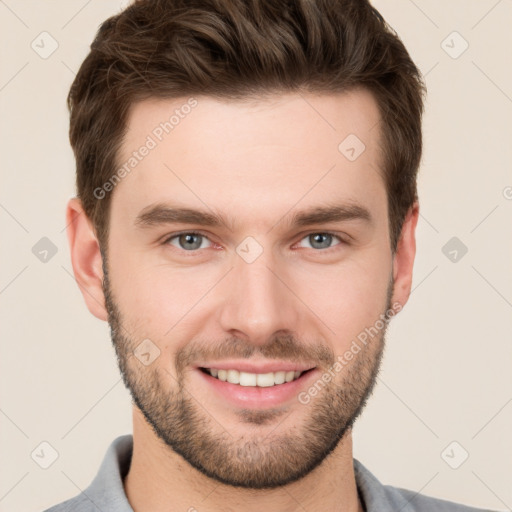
191,253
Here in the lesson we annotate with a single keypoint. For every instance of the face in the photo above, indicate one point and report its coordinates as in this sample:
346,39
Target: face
247,240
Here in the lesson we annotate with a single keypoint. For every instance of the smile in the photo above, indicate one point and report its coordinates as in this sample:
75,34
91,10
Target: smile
262,380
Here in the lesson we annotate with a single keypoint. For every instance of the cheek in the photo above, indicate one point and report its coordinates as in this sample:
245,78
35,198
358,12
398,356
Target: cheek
348,297
161,301
158,300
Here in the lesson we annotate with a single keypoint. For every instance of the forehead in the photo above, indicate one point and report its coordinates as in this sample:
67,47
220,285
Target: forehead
251,156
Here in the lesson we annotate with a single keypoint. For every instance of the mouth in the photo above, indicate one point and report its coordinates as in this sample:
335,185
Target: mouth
248,379
258,391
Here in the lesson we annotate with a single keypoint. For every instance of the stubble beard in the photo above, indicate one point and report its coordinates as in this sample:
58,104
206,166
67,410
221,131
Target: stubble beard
250,460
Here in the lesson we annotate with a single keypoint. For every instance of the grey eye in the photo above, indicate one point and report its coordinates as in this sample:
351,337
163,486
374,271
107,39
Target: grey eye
320,240
188,241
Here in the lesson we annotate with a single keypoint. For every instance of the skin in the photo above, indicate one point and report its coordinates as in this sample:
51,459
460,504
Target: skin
256,162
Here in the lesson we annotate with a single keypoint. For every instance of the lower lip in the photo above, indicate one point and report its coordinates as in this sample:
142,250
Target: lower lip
258,397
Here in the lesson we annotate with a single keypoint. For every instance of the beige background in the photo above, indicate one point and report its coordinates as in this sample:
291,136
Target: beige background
447,369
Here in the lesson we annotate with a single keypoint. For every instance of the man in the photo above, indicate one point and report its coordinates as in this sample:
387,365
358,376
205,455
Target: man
245,222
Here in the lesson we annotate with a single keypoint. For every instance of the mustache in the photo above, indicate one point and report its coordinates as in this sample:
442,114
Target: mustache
284,347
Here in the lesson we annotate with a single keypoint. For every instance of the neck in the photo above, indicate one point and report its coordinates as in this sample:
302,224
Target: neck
160,480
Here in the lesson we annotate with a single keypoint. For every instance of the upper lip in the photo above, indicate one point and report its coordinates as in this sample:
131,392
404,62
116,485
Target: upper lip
253,367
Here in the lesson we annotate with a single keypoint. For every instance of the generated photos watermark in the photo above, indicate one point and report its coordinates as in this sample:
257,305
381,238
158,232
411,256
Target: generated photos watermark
344,359
156,136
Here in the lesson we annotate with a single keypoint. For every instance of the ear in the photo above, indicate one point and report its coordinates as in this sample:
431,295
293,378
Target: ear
86,258
403,261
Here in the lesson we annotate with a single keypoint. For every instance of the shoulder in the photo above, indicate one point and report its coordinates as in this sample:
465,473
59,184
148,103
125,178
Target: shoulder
79,503
106,491
420,503
387,498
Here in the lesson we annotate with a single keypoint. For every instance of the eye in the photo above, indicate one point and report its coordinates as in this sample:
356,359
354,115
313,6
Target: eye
192,241
188,241
322,240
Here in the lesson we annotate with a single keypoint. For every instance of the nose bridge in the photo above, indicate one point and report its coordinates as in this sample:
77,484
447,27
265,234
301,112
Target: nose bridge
257,303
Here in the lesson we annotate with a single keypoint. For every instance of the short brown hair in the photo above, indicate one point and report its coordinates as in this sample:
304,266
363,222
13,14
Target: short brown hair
240,49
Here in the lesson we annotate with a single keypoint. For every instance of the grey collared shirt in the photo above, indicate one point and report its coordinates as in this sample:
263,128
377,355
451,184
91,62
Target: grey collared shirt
106,492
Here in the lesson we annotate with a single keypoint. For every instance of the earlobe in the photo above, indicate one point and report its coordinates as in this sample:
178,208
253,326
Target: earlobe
403,260
86,258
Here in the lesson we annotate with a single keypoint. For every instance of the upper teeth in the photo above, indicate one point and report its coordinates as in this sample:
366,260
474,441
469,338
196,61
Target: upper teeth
254,379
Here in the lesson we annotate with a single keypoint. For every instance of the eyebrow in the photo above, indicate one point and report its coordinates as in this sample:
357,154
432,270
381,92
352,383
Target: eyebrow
162,213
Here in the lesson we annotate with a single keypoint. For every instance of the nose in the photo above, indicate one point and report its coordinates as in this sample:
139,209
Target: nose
258,300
